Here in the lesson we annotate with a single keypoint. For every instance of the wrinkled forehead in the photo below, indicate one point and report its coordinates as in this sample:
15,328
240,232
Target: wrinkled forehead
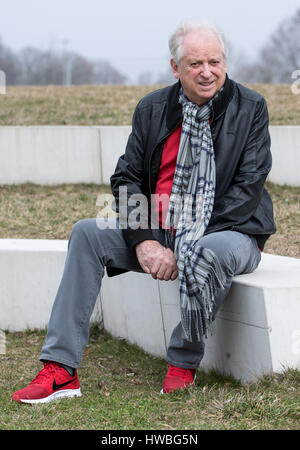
196,43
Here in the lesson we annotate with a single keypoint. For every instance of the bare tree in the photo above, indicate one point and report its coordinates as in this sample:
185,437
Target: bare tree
166,77
81,69
278,58
40,68
9,63
281,56
105,73
145,78
32,66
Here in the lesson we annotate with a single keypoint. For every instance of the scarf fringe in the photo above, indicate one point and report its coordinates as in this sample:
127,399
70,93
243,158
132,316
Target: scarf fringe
197,311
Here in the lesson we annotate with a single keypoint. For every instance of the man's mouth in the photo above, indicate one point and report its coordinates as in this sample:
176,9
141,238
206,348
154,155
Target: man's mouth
206,83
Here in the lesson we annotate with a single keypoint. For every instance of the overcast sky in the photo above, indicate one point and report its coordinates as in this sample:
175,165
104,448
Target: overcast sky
133,34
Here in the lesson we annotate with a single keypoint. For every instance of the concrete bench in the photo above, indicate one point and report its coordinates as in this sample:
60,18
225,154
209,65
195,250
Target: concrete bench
256,332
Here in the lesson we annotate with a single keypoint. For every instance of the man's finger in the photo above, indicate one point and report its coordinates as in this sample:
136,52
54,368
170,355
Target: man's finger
156,266
161,269
174,275
145,268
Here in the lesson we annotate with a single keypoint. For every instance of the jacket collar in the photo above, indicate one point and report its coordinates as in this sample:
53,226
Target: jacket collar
219,105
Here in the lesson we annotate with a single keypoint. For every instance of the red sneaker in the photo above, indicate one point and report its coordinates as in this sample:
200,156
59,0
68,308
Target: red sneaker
52,382
178,378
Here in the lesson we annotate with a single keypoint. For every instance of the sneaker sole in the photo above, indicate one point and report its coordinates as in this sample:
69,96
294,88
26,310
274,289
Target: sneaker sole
66,393
192,384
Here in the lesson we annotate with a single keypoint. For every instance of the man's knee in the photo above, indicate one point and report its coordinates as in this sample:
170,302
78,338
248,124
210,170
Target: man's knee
237,252
98,233
82,226
84,231
218,242
220,245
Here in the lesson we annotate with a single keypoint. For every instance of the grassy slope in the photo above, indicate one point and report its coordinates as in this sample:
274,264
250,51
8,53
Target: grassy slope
49,212
112,105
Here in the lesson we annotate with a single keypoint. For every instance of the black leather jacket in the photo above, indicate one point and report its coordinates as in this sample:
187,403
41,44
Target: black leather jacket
241,140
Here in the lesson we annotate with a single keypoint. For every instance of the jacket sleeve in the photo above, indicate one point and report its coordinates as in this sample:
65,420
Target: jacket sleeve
241,199
126,185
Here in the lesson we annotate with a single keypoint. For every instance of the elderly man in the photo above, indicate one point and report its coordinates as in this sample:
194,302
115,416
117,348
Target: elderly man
204,143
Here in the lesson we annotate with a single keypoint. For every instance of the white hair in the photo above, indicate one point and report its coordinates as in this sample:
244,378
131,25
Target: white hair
176,39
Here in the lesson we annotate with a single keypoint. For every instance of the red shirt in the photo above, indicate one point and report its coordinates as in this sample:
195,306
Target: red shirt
166,174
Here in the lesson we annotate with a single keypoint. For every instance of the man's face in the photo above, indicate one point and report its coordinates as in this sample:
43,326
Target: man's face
202,69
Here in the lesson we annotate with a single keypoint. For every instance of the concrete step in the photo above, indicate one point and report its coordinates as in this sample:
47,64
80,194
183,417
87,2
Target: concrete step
256,332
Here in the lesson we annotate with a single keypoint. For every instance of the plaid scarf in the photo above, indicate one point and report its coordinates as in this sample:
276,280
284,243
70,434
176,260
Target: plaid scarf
190,207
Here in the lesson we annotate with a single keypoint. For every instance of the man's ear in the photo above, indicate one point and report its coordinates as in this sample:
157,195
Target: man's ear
175,68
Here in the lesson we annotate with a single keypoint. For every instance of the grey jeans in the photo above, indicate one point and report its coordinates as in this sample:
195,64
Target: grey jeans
90,250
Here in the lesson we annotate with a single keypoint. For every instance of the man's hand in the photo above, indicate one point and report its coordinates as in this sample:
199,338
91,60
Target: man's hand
157,260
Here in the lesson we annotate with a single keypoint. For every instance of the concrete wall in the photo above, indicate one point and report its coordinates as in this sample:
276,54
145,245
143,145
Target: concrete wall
77,154
30,273
256,331
49,155
60,154
286,155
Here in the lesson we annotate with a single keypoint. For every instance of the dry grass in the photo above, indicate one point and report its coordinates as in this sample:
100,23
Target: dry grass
45,212
70,105
283,105
121,384
112,105
286,201
49,212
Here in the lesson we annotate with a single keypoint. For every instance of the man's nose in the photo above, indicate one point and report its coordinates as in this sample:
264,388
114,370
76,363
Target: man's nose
205,71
